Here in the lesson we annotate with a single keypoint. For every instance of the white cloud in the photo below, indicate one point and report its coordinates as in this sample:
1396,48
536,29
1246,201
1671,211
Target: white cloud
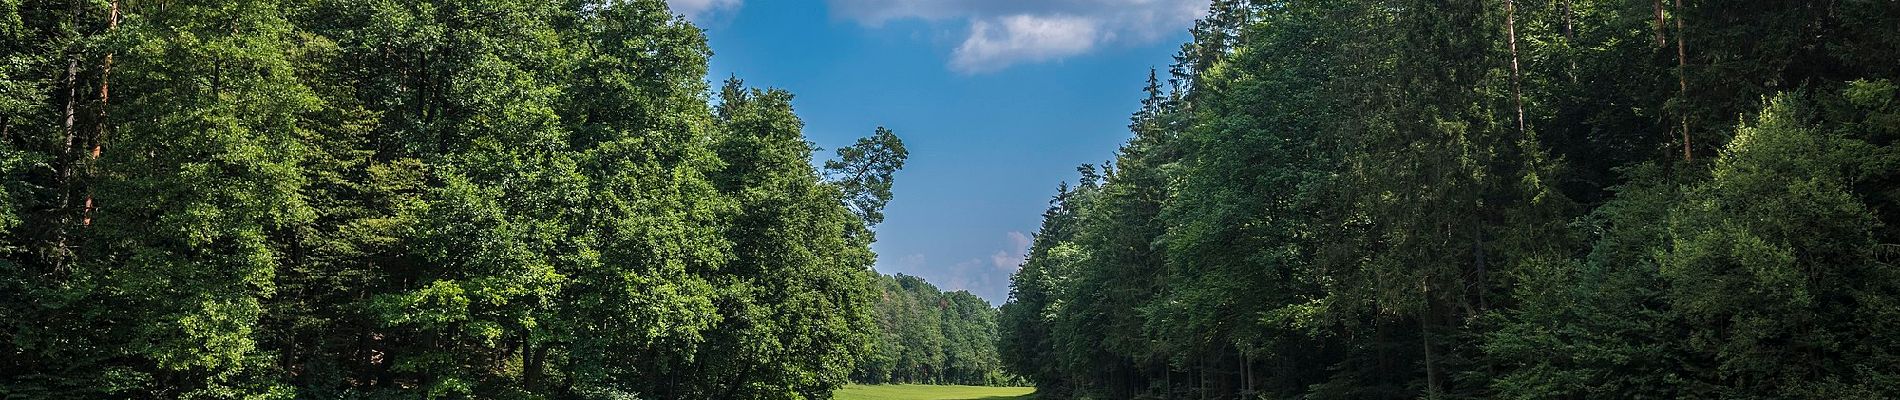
985,277
1004,33
1023,39
698,9
1012,258
969,276
973,275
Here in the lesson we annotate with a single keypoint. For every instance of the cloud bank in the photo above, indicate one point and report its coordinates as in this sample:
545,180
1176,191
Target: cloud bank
1012,258
1004,33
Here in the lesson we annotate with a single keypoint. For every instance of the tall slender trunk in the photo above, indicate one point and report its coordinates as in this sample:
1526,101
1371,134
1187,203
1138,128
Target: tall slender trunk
535,364
1204,385
1246,371
105,103
72,105
1432,388
1682,79
105,93
1517,81
1165,380
1661,37
1570,28
1570,38
66,159
1479,258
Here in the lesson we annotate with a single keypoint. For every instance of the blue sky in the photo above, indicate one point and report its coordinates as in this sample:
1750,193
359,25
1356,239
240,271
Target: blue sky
997,101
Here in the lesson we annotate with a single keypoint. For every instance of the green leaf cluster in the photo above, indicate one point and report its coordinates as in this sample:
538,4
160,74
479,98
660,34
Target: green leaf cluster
405,199
927,336
1485,199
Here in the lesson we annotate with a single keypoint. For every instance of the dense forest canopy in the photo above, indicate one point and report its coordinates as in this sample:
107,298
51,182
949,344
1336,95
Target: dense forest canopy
501,199
1361,199
927,336
1349,199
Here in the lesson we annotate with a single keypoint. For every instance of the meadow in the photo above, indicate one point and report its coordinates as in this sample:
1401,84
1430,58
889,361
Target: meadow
933,392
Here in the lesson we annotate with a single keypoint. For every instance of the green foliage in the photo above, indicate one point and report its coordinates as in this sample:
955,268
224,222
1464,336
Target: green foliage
400,199
925,336
1348,199
796,290
1474,199
863,172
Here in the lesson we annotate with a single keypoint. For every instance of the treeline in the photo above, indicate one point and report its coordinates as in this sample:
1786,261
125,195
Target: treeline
927,336
504,199
1488,199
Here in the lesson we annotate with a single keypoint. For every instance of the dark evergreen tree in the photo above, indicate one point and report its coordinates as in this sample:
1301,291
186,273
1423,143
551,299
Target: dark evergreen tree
1472,199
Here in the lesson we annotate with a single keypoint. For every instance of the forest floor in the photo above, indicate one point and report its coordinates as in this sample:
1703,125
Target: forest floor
932,392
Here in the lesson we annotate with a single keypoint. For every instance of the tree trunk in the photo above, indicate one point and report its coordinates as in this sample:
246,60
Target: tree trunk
1682,79
1570,38
1479,258
535,365
1167,381
72,104
1661,39
1432,388
1246,373
1203,385
105,102
66,159
1517,81
1570,30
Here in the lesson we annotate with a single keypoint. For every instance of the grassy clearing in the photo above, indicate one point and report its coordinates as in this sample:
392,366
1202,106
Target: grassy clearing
932,392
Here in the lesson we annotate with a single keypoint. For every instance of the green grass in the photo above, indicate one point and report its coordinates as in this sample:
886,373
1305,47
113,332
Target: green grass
932,392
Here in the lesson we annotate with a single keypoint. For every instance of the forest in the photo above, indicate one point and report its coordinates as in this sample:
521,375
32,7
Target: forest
495,199
927,336
1448,199
1340,199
